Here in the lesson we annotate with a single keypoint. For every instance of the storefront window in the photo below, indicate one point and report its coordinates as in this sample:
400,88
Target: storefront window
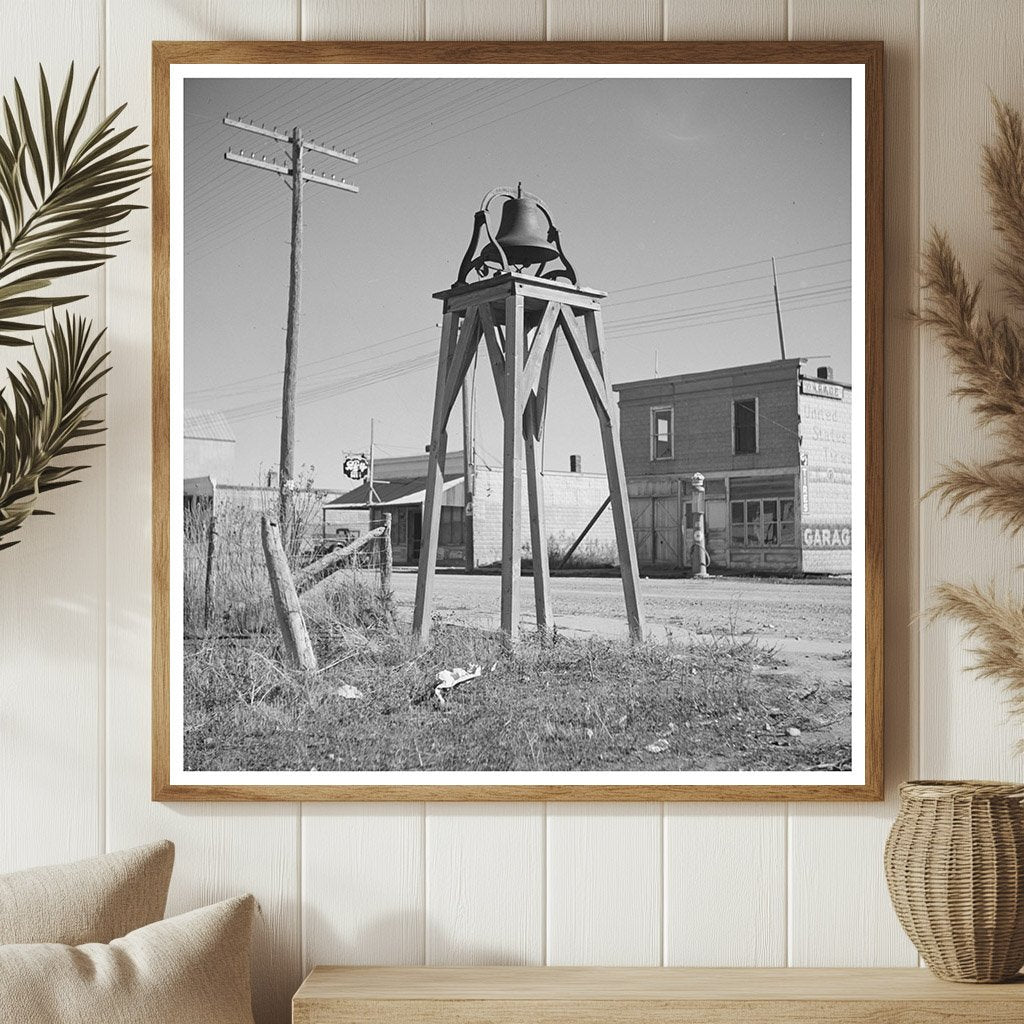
770,520
762,522
738,525
788,533
754,524
450,532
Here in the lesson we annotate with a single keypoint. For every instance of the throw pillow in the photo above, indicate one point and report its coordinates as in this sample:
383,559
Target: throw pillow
92,900
190,969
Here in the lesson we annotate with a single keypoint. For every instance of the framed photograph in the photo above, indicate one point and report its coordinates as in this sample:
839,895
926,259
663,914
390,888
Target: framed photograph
517,418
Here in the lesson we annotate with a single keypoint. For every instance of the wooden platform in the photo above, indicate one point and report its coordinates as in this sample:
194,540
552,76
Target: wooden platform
624,995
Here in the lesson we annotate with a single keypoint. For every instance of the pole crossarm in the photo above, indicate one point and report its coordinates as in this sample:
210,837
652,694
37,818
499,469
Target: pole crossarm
273,133
258,129
270,165
338,154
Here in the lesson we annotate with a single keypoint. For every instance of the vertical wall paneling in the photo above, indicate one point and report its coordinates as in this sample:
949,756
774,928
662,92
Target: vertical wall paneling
725,867
836,851
485,883
223,849
606,19
363,879
362,884
725,885
51,583
604,884
965,730
725,19
363,19
485,19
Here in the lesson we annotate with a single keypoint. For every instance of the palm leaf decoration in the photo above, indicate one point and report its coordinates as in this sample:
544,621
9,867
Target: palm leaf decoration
63,190
45,418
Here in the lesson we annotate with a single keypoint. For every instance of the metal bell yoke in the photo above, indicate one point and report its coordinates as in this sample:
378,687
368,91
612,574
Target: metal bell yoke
526,237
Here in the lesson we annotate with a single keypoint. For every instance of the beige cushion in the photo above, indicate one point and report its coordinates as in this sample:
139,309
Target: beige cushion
191,969
93,900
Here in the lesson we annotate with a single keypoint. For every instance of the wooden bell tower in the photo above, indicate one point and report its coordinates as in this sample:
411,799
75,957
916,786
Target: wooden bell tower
521,318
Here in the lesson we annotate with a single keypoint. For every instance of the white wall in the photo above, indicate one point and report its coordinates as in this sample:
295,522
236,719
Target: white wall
625,884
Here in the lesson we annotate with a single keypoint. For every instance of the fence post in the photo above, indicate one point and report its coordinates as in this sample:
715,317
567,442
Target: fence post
297,645
211,570
386,561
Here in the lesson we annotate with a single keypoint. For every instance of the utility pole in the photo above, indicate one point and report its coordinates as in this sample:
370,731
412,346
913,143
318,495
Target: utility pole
296,171
778,310
371,494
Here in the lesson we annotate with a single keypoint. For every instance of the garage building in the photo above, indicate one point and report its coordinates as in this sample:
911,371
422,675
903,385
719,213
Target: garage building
774,445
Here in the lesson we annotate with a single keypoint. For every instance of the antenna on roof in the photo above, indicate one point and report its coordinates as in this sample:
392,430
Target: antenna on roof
778,310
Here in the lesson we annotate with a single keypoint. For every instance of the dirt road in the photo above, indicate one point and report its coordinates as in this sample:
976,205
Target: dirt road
795,615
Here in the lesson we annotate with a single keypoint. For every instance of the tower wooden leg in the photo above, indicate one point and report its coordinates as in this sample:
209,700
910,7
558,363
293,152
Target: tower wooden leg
435,487
538,530
617,486
512,512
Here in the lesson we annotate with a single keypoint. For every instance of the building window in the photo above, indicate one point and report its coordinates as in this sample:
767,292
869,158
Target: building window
744,426
451,532
661,434
762,523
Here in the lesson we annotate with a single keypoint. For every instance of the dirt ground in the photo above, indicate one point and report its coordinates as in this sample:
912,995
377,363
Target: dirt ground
807,623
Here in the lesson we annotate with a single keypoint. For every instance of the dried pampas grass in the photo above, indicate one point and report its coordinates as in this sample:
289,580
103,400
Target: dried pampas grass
987,354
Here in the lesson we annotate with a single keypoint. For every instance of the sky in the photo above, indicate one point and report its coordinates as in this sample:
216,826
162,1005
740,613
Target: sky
671,195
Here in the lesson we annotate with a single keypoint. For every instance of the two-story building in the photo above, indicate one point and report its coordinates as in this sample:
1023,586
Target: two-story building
774,446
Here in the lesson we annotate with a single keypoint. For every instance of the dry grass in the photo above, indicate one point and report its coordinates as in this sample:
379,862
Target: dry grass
565,705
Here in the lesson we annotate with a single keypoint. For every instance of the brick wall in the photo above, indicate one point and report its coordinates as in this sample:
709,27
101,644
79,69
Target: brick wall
703,425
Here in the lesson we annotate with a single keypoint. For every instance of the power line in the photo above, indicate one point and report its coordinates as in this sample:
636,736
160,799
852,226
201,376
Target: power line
722,284
401,155
324,391
682,312
341,355
734,266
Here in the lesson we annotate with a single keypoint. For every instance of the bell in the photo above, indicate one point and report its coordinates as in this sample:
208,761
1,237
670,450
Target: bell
523,234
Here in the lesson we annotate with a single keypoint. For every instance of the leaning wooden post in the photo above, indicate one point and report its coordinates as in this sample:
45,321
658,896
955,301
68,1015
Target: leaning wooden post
297,645
386,561
211,570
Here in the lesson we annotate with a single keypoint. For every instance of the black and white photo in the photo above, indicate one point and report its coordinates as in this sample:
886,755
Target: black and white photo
518,422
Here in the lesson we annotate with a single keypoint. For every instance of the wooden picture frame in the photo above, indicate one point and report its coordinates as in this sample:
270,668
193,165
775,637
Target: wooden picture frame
867,56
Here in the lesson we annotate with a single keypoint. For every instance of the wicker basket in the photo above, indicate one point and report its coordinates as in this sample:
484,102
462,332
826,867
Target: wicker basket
954,861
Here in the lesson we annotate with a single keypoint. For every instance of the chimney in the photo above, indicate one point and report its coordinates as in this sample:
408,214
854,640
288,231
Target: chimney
825,373
575,464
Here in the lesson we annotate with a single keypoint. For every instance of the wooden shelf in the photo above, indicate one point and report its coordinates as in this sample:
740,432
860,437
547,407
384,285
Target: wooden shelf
624,995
